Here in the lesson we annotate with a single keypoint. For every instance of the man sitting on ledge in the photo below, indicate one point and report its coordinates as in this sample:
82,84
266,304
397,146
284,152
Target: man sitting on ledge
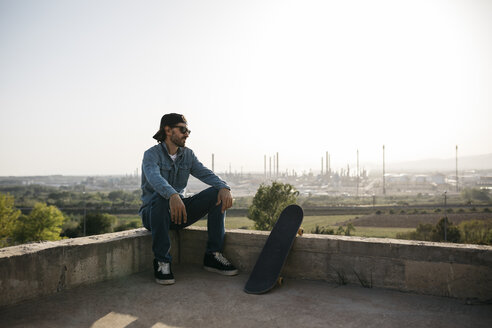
166,168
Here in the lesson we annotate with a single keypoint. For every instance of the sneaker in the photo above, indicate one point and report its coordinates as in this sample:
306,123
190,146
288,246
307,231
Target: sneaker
163,274
216,262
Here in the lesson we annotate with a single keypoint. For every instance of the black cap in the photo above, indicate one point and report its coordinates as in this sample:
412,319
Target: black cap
168,120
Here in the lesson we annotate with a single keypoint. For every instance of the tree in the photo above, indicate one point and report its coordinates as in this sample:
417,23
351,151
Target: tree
98,223
116,195
8,218
43,223
269,202
453,234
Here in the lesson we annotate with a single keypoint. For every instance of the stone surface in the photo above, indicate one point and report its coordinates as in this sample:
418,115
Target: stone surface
203,299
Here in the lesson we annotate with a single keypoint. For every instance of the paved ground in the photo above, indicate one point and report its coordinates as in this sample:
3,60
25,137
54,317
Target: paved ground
203,299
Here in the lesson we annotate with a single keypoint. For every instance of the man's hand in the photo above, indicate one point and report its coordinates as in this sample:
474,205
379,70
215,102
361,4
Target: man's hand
178,209
225,197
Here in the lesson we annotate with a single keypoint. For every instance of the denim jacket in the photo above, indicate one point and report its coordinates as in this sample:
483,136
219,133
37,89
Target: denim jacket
167,177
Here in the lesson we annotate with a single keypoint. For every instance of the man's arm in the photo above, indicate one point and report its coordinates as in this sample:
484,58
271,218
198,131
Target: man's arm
199,171
205,175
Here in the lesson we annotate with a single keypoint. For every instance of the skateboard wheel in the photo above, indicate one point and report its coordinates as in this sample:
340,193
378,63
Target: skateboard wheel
300,231
280,280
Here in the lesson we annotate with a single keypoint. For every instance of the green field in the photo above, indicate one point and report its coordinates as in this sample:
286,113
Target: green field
379,232
232,223
310,223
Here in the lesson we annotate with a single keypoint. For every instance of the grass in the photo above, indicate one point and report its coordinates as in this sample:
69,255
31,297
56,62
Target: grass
379,232
232,222
309,224
127,218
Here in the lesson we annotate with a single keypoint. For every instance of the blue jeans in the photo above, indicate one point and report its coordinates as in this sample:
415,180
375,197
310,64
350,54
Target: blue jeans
157,218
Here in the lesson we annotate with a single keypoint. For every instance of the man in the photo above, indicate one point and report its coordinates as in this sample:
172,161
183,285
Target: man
166,168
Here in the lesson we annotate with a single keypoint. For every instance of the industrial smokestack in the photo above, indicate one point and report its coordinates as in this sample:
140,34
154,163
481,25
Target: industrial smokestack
277,165
264,166
329,164
213,163
274,166
326,163
384,179
457,187
358,173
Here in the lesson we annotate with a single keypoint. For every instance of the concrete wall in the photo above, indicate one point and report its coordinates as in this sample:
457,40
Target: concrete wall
451,270
459,271
38,269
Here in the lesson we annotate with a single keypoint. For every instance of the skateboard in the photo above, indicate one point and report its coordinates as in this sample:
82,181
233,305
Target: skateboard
266,272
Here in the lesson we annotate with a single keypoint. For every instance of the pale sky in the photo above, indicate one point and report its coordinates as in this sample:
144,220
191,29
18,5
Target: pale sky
83,84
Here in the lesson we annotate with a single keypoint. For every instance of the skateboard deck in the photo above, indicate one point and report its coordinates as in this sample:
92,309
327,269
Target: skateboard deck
266,271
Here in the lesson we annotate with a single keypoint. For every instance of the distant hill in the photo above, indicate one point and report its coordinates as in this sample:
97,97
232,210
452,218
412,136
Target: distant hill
478,162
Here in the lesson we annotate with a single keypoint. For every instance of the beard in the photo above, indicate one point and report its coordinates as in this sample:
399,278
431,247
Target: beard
180,142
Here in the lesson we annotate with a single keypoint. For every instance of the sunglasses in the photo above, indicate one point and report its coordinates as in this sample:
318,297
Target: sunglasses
182,129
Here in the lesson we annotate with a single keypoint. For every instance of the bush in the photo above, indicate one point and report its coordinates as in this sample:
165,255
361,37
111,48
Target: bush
476,232
128,226
349,229
72,232
452,232
71,229
429,232
269,202
43,223
423,232
323,230
8,217
98,223
411,235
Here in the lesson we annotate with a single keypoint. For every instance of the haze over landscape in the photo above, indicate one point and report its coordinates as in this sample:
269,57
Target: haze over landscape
83,84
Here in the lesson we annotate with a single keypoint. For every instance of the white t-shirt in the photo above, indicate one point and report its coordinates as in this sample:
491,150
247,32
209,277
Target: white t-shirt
173,157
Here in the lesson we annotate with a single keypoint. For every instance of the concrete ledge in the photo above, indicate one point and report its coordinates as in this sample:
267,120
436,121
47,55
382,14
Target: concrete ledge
451,270
38,269
439,269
